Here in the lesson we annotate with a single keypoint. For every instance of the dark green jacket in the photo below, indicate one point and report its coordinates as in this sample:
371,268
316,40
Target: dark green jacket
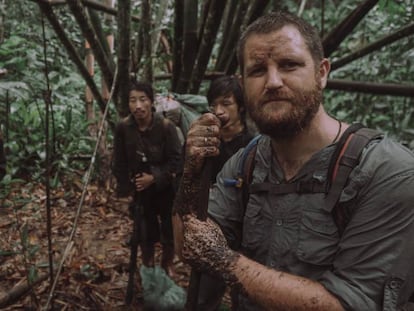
159,143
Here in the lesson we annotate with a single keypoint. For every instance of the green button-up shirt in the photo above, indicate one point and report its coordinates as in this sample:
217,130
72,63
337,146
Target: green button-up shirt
369,267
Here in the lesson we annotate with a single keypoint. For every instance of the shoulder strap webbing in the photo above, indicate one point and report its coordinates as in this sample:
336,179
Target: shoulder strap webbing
348,158
345,157
311,186
298,187
245,167
245,170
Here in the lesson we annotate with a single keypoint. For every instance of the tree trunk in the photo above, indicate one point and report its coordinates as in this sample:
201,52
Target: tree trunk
229,43
89,33
156,33
177,46
146,33
124,26
190,45
90,112
73,54
209,35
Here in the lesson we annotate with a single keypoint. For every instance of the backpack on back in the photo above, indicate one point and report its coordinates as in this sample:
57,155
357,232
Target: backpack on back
345,157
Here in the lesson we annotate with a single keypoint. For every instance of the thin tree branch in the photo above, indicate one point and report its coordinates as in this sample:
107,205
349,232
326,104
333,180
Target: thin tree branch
94,5
372,88
337,35
207,75
302,7
6,299
397,35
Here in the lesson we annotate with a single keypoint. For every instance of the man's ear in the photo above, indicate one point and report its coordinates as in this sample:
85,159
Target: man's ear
324,69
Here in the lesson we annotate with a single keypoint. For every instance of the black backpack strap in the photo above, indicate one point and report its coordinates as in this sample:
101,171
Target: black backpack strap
296,187
347,158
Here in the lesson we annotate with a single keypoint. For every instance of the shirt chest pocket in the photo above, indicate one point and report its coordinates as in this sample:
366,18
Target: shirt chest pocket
318,238
256,228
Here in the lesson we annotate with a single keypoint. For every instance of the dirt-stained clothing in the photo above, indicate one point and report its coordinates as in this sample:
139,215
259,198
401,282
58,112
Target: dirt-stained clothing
156,151
370,266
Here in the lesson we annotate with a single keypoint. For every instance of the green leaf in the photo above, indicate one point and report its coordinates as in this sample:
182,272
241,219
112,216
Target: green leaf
32,277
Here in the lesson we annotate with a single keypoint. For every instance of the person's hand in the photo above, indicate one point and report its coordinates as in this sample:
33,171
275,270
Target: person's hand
204,246
202,141
143,181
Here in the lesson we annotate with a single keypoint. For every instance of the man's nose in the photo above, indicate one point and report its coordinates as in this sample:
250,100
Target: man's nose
138,104
274,79
218,109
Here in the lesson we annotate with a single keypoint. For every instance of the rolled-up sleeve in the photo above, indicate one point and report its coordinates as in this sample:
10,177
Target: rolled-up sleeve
378,243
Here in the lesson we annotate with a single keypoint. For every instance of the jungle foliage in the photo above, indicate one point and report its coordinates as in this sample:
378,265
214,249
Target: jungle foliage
201,32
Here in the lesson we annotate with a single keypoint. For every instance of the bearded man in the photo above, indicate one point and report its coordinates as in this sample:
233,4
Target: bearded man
283,251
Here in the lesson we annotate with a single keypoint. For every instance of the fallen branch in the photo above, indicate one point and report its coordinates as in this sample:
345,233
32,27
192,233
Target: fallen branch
18,291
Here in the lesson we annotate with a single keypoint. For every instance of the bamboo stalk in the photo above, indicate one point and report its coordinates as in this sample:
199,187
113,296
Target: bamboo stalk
337,35
397,35
208,39
89,33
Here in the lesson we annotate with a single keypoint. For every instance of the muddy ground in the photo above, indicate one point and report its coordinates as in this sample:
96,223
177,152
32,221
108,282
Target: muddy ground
95,272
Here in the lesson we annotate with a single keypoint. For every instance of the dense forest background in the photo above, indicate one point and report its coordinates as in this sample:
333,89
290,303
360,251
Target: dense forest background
44,77
64,67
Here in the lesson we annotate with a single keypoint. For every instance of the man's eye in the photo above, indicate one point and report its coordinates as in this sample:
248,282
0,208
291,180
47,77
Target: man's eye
258,71
289,65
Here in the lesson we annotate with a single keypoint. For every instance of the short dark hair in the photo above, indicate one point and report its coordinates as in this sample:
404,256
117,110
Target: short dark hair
275,21
145,87
226,86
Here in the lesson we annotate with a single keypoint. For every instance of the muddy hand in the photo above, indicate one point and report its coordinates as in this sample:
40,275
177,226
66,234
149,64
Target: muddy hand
202,141
206,249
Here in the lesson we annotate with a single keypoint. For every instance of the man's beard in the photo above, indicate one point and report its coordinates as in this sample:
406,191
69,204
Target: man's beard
304,106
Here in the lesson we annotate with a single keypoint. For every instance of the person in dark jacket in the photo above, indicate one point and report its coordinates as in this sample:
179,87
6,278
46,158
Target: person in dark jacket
225,99
147,154
2,158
